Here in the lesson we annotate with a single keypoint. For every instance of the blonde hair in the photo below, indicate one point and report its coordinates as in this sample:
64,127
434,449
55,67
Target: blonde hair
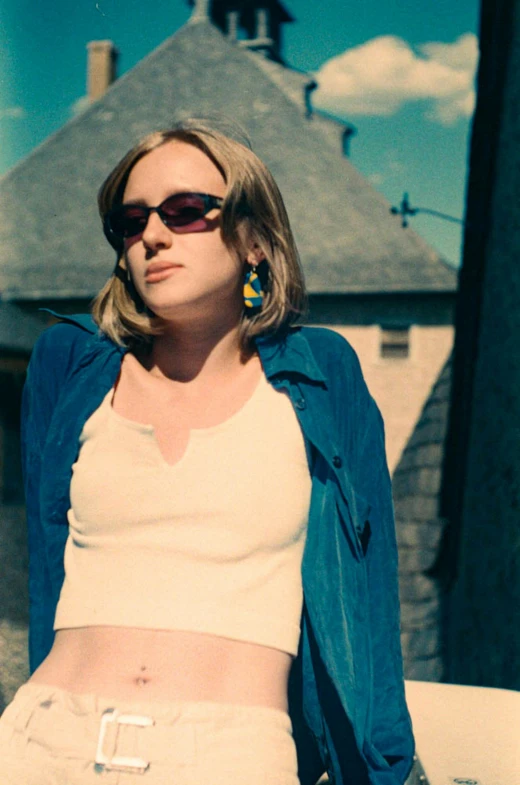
253,212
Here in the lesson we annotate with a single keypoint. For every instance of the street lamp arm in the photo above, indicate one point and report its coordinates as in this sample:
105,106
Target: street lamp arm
405,209
439,214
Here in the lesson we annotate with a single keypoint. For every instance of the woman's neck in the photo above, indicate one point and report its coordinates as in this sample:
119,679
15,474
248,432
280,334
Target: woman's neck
197,351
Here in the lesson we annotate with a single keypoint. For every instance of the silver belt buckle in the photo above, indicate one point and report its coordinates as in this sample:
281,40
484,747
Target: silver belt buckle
120,762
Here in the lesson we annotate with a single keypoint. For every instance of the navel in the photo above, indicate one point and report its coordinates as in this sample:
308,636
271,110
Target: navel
143,678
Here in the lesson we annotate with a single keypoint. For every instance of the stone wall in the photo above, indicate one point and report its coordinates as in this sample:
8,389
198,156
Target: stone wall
419,528
482,481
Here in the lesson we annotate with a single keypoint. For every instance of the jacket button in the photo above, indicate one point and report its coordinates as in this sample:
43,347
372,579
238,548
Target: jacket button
337,462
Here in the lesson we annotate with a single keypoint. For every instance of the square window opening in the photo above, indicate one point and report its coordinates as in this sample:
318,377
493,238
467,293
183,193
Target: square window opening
395,343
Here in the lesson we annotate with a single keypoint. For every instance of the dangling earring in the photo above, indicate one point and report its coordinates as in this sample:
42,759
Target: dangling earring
253,293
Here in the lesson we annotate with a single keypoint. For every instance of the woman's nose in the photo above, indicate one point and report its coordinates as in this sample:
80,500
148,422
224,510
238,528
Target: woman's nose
156,233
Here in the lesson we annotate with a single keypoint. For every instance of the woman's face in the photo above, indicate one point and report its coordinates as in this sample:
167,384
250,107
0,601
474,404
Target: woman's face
189,274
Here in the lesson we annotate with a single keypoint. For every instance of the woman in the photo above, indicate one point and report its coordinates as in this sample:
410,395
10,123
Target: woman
224,597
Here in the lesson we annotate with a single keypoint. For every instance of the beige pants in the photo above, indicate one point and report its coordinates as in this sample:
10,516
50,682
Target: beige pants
51,737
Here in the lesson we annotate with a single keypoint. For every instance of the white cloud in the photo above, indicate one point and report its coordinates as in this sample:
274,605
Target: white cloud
462,54
79,105
448,112
381,75
13,113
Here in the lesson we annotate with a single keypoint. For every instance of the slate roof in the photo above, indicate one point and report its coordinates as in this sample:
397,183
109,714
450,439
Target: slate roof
416,488
51,244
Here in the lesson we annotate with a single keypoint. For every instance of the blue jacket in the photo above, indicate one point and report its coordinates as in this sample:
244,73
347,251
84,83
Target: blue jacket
346,690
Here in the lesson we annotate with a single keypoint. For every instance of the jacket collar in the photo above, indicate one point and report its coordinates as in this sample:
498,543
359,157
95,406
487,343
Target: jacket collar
289,354
279,356
83,320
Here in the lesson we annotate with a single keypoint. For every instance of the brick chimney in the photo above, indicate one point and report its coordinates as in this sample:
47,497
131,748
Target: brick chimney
102,59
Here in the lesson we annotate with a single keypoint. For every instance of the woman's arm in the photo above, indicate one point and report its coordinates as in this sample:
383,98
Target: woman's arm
51,360
357,433
391,732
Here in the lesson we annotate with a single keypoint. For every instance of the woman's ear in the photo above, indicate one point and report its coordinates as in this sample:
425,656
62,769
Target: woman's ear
255,255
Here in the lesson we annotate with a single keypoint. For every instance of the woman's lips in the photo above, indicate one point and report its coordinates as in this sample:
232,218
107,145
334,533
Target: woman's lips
158,271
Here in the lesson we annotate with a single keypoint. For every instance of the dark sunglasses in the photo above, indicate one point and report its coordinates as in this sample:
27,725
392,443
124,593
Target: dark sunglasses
181,212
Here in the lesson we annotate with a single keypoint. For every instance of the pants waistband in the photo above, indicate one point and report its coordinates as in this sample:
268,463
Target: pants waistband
163,711
91,727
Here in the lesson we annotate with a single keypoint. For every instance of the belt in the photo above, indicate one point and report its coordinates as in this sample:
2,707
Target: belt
115,739
104,762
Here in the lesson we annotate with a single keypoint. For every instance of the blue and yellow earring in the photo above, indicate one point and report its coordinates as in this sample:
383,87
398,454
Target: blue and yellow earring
253,293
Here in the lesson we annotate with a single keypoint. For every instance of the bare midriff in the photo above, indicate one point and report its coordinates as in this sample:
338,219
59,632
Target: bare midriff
172,665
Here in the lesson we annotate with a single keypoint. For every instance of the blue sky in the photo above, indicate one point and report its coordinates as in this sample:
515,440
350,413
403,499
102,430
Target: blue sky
400,73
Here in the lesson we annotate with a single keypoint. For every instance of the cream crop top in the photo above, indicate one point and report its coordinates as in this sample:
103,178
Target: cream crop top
212,544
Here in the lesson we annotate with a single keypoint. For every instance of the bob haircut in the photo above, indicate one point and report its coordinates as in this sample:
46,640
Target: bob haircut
252,212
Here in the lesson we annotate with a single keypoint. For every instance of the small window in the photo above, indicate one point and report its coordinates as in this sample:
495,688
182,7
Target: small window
395,343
